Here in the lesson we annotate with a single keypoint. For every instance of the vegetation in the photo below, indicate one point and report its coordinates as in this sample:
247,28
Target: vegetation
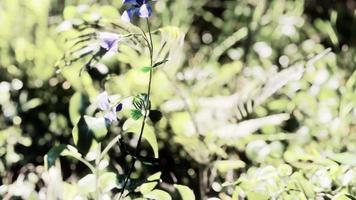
240,99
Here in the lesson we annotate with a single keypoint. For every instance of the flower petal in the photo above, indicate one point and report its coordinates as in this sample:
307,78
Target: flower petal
108,40
128,14
111,115
134,2
103,101
145,11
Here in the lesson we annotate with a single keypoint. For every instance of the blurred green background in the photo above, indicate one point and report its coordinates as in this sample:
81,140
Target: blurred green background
249,112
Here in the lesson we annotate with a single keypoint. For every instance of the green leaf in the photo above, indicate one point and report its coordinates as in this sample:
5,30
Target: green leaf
344,158
146,69
257,195
87,184
305,186
31,104
136,114
285,170
158,195
82,137
77,106
97,126
185,192
148,187
53,154
132,184
350,197
87,129
108,181
63,150
149,161
71,151
224,166
69,12
134,126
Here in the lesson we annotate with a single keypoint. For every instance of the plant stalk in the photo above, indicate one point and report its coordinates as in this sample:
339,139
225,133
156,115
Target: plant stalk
147,107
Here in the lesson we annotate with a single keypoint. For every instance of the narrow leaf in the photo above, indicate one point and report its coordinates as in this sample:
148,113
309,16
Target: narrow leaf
159,63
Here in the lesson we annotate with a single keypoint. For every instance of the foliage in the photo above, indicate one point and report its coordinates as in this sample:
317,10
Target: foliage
250,100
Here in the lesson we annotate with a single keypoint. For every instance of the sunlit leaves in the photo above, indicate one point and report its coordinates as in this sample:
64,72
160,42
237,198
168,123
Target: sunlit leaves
158,195
87,184
185,192
87,129
152,181
134,126
64,150
223,166
346,158
108,181
77,106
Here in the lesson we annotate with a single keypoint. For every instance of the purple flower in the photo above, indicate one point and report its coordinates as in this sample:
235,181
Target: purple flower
103,101
139,8
105,105
109,41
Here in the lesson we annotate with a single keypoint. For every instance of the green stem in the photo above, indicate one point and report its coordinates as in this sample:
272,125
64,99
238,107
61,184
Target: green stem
92,169
97,162
109,146
147,107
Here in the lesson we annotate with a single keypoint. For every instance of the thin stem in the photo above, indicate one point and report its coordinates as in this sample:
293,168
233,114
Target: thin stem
147,107
92,169
109,146
202,181
97,162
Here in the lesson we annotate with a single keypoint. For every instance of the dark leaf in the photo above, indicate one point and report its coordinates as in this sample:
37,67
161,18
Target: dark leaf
77,106
155,115
82,136
87,129
350,197
53,154
97,126
159,63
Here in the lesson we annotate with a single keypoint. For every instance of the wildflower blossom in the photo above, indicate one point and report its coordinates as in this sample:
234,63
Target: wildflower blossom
139,8
108,42
105,105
